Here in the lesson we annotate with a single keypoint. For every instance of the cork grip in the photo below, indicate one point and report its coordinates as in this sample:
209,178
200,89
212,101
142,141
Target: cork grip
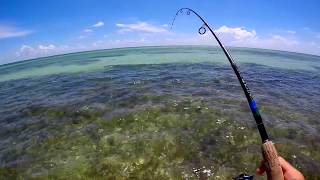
270,155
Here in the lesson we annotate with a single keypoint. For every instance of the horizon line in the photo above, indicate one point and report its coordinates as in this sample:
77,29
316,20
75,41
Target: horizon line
128,47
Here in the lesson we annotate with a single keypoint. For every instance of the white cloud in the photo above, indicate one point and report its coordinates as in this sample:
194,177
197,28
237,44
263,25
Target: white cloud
242,37
81,37
306,28
230,36
27,51
283,40
46,48
10,32
291,32
98,24
142,27
238,33
277,42
87,30
97,43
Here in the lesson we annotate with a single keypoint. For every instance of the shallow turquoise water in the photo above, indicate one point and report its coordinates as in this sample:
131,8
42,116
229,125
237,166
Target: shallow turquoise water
167,112
98,60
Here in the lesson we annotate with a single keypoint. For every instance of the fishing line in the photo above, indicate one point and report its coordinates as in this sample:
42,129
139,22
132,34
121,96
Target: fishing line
252,104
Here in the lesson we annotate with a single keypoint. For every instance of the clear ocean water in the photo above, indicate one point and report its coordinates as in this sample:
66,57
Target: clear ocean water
170,112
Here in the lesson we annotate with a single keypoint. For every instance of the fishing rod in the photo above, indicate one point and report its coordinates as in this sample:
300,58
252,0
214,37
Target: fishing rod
269,151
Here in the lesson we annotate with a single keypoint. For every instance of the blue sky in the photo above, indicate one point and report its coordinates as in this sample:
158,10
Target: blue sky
36,28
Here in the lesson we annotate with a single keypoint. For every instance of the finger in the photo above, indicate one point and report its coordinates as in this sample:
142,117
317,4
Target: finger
284,164
261,169
289,171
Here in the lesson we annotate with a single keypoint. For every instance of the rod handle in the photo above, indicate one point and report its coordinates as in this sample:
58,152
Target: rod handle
270,155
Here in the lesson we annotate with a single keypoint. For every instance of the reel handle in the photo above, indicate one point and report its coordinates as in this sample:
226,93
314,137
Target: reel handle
270,155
